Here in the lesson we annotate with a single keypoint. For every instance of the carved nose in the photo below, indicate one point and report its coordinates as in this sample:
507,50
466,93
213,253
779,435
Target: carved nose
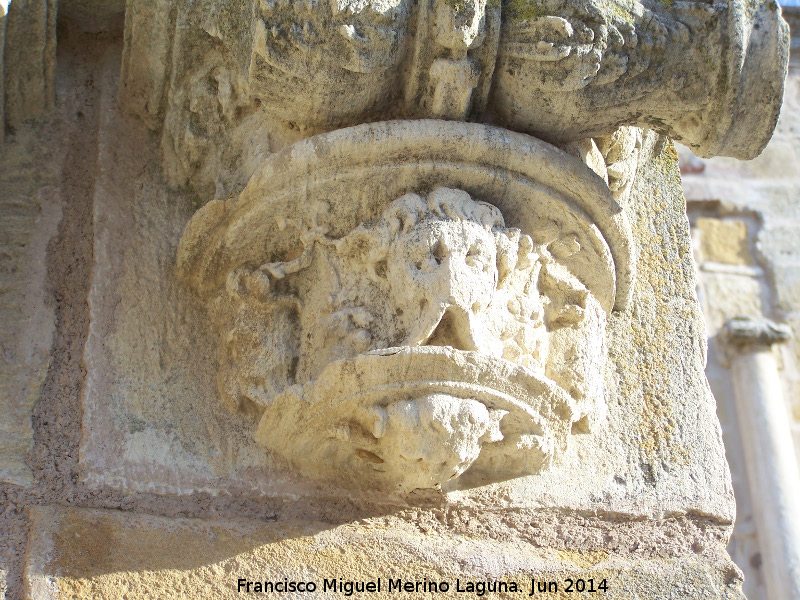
442,250
453,330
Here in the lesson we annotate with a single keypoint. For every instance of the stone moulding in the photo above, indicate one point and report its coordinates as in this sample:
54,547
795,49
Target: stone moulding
407,303
263,74
393,157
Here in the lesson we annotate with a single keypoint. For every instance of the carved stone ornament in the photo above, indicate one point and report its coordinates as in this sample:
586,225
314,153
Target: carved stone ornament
558,69
747,331
414,302
272,71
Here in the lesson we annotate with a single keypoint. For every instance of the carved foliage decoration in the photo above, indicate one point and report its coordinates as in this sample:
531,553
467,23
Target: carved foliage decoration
323,50
445,326
568,70
252,77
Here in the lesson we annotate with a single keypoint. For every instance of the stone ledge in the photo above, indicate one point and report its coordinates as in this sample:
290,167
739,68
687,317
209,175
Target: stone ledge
78,553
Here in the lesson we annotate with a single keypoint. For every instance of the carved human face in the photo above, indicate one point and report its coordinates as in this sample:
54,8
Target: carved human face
435,438
397,351
444,275
307,55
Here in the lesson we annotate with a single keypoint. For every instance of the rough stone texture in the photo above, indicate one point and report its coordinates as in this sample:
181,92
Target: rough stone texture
31,209
81,553
34,194
53,155
3,20
173,494
29,58
14,534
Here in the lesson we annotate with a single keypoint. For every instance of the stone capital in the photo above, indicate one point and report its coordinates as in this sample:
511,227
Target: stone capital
749,331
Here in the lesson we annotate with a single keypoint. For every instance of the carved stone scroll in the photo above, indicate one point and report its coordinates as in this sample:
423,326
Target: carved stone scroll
256,76
411,303
708,74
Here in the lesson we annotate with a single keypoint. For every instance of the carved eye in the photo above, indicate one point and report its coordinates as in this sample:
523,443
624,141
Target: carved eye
439,252
477,257
426,264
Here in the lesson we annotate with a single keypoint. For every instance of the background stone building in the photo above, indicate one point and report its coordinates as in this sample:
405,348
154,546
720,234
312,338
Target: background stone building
745,219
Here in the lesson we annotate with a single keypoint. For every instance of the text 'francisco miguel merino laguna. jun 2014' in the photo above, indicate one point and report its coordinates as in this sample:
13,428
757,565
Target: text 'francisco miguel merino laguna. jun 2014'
466,586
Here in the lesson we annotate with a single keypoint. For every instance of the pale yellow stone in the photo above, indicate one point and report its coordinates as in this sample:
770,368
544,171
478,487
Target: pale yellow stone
76,554
724,241
29,217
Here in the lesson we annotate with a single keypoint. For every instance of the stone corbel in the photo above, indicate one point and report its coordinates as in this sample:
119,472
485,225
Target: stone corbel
445,327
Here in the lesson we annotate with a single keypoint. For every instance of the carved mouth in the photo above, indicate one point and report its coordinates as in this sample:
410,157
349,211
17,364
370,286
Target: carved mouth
340,418
451,327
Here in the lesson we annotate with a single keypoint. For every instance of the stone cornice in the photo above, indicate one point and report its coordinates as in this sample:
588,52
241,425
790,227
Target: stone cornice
741,331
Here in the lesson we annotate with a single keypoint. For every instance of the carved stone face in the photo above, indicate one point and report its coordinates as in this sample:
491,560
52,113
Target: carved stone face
435,438
441,271
373,330
307,54
445,276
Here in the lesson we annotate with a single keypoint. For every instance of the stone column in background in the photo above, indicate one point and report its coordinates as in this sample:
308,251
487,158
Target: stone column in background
766,437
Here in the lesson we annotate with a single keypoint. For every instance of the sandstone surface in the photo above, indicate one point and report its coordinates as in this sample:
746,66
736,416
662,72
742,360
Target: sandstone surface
368,289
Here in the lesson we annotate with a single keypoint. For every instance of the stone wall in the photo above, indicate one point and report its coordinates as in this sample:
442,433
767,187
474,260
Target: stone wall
242,346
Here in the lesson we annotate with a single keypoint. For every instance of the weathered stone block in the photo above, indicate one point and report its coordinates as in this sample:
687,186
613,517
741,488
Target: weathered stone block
94,553
29,59
153,419
30,213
